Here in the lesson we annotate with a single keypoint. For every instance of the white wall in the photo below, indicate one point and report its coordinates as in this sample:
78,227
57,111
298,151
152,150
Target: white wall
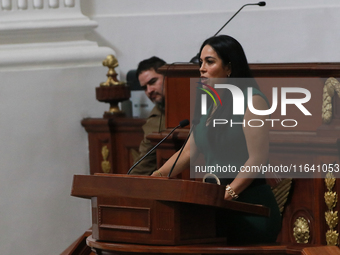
48,75
42,103
42,146
282,31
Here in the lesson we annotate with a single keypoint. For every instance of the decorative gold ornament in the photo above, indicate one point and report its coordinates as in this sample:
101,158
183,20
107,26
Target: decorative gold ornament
330,181
281,192
106,167
111,62
331,85
332,237
331,199
112,91
301,230
332,220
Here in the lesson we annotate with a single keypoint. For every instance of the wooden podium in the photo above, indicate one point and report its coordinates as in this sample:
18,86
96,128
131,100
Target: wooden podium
151,215
151,210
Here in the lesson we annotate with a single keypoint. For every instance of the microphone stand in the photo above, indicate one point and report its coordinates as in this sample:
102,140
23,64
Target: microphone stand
185,142
260,4
195,60
183,123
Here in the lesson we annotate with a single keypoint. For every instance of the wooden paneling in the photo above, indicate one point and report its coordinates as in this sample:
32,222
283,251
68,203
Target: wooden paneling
120,135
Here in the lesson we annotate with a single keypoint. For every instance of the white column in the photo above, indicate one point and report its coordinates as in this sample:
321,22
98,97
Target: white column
6,4
44,33
12,5
53,3
38,4
22,4
69,3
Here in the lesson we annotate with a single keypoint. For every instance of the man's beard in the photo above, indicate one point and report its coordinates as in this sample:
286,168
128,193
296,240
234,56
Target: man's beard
160,104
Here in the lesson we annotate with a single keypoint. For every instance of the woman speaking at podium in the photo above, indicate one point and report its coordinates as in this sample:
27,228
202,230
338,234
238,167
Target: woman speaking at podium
237,145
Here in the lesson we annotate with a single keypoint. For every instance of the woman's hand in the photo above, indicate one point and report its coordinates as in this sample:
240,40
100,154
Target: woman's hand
227,196
157,173
182,163
230,193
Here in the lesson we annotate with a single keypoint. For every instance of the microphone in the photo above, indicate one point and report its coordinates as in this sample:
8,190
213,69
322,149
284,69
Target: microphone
182,124
195,59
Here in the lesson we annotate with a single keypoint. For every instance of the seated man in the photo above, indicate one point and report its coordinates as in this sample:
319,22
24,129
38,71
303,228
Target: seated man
152,83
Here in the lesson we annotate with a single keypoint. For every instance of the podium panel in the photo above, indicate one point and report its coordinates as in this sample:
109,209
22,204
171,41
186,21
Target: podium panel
146,221
151,210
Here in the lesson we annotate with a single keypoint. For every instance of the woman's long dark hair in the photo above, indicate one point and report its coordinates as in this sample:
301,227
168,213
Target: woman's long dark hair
231,53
